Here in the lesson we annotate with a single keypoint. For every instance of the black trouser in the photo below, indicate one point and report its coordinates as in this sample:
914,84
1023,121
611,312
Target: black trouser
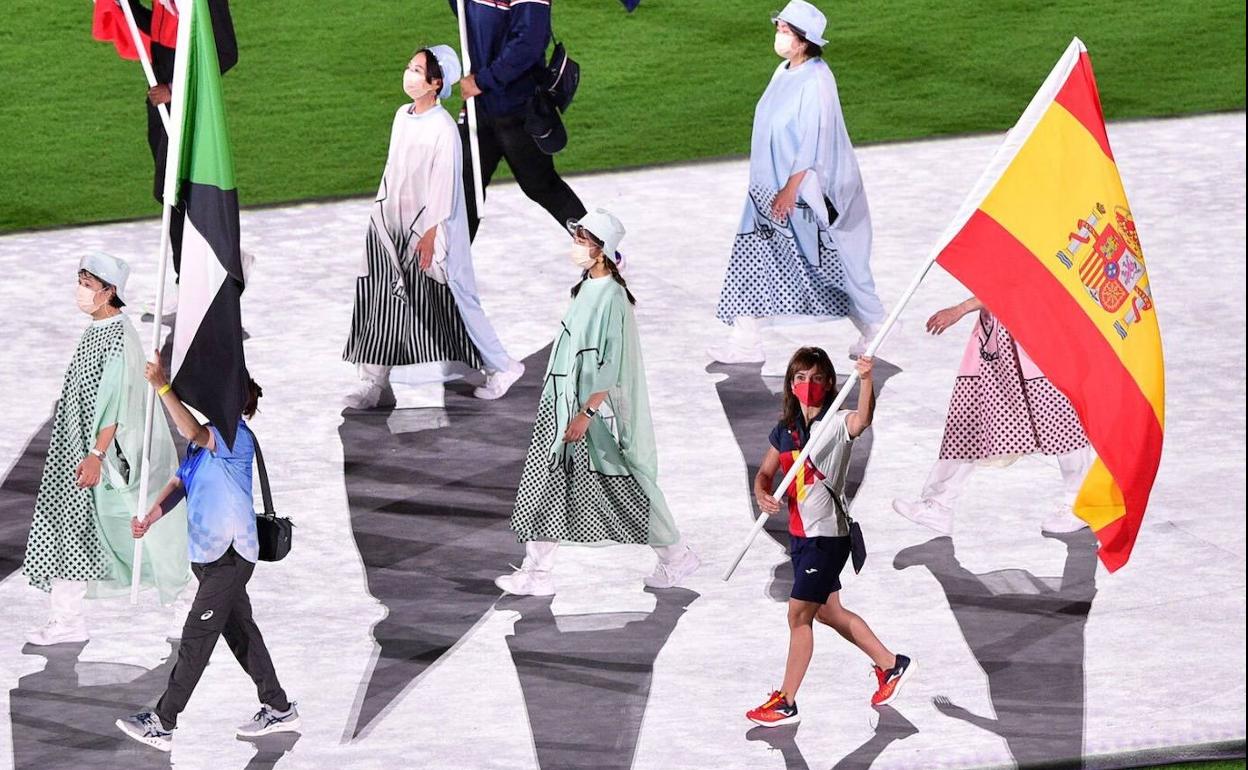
159,144
221,607
534,170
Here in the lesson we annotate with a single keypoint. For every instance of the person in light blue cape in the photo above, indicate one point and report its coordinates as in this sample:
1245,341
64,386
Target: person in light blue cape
591,474
803,246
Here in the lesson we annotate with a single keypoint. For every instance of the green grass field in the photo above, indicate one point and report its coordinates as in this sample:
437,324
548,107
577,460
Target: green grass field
317,83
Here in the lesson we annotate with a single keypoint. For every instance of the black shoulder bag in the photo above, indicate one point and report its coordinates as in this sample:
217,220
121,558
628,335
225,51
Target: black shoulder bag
272,532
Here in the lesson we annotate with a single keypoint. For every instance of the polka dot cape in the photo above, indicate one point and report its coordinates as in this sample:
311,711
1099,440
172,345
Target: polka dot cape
569,501
997,412
65,541
767,276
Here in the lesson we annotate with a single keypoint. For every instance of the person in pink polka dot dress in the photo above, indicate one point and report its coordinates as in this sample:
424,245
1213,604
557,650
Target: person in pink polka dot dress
1003,407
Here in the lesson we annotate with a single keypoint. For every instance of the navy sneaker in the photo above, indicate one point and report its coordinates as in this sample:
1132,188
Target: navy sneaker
147,728
269,720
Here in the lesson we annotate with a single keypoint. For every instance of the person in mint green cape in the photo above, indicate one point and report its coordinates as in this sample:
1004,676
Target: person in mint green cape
80,542
591,474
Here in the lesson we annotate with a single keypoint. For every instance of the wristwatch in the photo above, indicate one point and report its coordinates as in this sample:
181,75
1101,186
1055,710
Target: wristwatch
98,454
589,412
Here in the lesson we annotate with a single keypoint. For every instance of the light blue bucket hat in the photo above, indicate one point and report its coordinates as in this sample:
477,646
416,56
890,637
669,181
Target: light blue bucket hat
448,60
805,19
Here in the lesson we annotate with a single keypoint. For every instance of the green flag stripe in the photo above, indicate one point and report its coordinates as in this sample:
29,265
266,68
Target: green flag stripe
206,157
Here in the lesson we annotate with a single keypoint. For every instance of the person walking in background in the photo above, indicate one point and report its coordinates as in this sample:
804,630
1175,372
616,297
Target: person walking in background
1003,407
819,527
507,45
416,296
803,247
79,539
160,23
591,474
215,480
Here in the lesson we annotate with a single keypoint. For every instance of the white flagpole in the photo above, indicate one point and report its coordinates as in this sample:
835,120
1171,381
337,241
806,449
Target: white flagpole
163,109
173,155
470,107
816,436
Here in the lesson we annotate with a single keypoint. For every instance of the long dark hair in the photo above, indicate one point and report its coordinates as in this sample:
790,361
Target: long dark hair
609,261
803,359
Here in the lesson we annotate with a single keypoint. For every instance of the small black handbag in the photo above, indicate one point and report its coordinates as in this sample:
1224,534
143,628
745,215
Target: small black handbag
272,532
857,546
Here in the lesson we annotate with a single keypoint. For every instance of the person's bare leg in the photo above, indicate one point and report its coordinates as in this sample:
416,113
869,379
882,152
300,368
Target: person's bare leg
855,630
801,645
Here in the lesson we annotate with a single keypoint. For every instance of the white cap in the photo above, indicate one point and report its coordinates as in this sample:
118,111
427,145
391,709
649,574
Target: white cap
805,17
448,60
604,226
109,269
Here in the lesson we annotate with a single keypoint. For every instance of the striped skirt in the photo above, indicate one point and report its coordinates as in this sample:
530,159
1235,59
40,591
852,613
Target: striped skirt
391,326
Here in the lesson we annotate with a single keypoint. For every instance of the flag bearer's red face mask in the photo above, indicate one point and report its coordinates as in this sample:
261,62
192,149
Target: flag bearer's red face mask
810,392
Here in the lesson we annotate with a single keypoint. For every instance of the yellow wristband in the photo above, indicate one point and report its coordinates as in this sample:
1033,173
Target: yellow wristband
164,389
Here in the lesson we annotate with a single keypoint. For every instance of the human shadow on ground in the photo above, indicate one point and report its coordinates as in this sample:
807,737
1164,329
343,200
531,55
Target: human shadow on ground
586,678
1027,633
753,410
63,716
431,493
892,726
17,499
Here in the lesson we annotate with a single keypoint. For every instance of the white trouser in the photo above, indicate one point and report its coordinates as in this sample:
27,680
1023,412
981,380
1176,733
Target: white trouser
947,477
539,555
65,600
375,373
745,332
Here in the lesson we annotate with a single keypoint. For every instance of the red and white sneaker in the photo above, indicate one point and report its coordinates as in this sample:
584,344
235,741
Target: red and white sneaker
892,680
774,712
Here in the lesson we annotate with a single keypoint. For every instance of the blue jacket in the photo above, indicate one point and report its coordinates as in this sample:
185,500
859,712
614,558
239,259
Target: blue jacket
507,41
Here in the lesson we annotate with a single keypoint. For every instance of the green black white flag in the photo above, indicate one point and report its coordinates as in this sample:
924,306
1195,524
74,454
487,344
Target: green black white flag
209,372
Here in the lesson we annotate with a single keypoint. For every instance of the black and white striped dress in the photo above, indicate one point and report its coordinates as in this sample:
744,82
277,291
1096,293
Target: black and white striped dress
391,326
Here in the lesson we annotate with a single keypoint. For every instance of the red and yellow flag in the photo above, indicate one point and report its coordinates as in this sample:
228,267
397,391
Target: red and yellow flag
1047,242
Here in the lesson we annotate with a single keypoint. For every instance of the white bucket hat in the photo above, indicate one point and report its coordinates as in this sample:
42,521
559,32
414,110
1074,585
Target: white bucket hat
604,226
107,268
805,19
448,60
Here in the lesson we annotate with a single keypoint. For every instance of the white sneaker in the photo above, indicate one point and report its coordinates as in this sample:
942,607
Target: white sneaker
497,384
928,513
59,632
269,720
525,582
170,307
669,574
732,353
867,334
367,395
1063,521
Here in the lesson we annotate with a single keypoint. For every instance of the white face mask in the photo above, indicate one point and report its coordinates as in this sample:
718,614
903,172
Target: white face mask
582,256
86,300
414,85
785,45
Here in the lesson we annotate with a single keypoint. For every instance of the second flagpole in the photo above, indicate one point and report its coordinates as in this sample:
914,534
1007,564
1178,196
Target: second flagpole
173,155
470,107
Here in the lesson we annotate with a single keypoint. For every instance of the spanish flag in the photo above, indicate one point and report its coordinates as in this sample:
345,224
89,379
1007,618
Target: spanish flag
1047,242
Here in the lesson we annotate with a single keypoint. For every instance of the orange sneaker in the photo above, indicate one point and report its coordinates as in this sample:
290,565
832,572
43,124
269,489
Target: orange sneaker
774,712
891,680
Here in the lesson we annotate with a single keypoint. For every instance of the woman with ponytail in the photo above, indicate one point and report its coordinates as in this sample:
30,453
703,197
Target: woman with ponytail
590,477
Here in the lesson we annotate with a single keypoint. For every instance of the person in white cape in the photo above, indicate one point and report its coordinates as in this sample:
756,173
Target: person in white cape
416,297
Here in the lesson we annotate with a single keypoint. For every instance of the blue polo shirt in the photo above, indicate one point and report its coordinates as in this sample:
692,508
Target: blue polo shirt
219,508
